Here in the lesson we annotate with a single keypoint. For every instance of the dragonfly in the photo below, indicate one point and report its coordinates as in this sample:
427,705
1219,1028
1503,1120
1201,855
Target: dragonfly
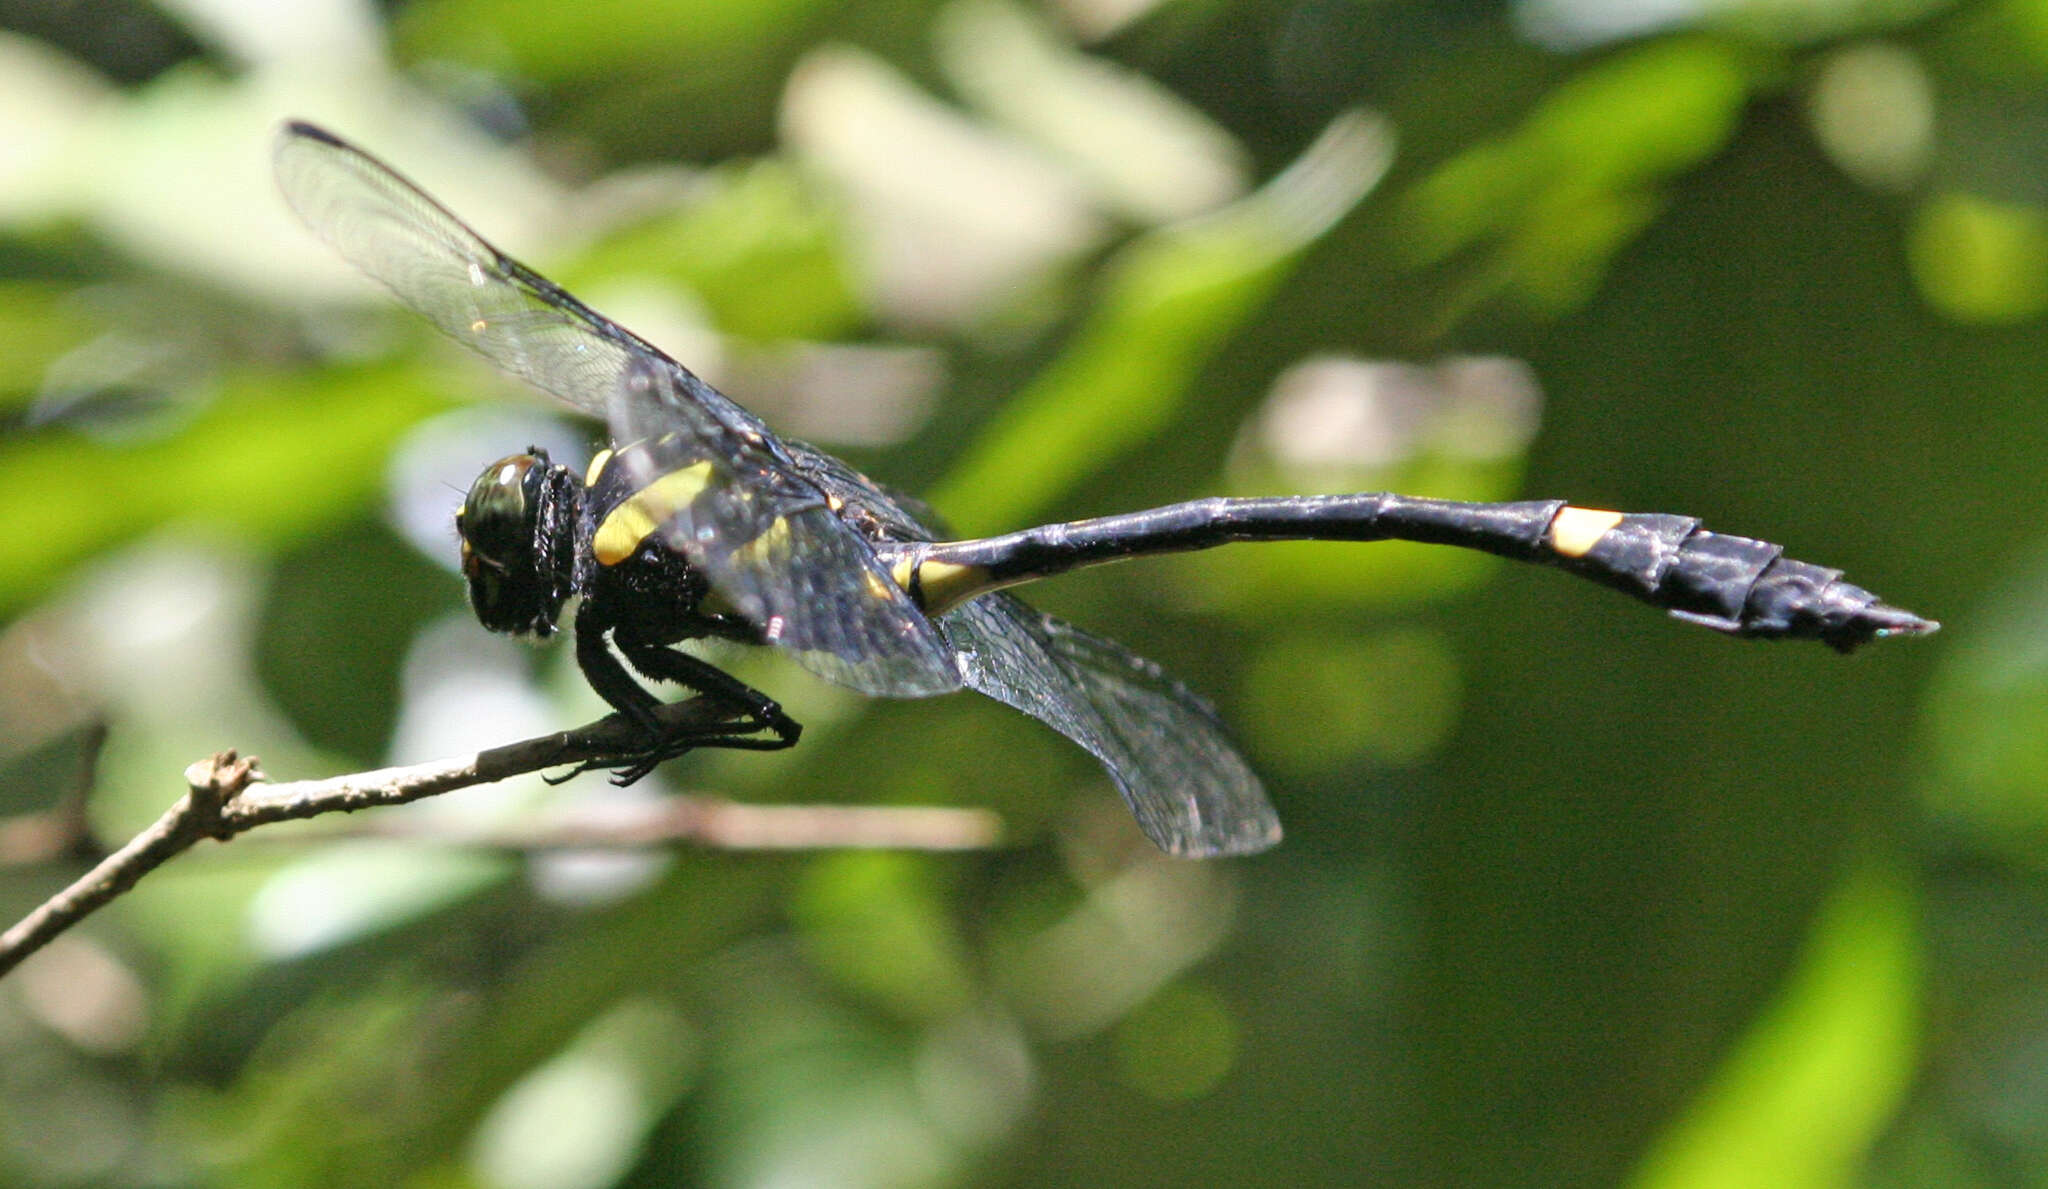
697,522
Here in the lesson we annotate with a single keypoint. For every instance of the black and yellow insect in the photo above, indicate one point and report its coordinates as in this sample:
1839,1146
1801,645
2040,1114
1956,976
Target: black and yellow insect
700,523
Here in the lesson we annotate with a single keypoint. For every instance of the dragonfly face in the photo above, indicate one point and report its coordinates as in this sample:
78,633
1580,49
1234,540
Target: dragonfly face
519,541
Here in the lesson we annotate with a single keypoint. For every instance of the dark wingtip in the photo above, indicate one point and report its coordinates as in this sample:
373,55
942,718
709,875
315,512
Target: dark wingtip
311,131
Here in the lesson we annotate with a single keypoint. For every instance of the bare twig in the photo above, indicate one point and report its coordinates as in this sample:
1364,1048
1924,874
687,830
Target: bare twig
227,796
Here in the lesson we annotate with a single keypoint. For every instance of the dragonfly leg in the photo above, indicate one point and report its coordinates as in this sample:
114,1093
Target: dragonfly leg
757,722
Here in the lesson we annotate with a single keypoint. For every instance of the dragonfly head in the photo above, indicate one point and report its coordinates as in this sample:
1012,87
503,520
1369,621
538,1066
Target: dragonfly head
518,529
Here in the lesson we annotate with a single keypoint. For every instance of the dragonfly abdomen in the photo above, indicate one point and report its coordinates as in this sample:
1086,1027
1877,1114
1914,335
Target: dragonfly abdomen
1737,585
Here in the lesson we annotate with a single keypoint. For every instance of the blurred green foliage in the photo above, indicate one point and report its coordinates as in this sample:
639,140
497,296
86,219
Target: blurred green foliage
1571,894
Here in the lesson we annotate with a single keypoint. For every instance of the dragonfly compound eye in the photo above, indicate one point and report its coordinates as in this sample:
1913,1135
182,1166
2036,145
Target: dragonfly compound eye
518,544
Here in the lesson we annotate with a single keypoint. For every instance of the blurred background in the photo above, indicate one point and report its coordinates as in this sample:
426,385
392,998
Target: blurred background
1572,894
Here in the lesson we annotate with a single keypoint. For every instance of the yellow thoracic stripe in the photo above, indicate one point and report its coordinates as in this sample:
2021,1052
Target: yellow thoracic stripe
1575,531
596,468
627,525
762,549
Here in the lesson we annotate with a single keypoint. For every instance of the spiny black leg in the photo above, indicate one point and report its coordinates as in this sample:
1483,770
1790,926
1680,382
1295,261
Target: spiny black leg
609,678
761,712
752,711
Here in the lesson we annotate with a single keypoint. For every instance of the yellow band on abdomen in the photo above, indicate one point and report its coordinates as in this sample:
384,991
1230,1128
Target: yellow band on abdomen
1575,531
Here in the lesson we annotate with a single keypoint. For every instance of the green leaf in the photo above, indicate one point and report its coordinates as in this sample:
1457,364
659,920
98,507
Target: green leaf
274,455
1170,301
1799,1102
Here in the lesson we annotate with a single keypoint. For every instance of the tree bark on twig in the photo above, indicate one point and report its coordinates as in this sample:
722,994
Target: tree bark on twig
228,795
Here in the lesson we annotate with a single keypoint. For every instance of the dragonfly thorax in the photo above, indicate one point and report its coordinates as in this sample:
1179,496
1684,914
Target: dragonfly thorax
518,530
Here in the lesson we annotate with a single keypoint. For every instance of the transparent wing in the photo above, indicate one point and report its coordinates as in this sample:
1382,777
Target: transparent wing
773,546
762,534
403,239
1163,745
